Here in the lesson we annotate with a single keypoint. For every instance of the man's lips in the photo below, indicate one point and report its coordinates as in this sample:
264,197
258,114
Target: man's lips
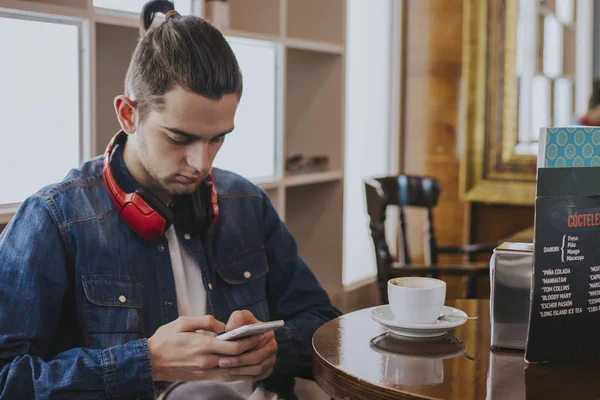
187,179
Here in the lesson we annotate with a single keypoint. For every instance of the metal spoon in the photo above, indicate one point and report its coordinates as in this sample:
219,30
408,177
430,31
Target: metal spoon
456,316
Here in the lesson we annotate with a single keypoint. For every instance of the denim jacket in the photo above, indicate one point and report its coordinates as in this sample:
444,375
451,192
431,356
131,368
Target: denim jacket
80,292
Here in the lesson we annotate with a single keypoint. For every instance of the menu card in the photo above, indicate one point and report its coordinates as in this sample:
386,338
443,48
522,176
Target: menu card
564,321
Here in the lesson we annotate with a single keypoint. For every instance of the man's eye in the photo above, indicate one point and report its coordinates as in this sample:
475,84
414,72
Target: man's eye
219,139
178,141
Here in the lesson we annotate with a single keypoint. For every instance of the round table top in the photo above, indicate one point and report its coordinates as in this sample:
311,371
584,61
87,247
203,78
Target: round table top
354,358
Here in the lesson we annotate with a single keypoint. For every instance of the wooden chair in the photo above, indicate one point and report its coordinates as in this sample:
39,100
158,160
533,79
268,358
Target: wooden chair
413,191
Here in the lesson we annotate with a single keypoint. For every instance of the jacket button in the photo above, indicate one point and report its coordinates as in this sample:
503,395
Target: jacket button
161,248
210,286
187,236
247,274
122,299
168,303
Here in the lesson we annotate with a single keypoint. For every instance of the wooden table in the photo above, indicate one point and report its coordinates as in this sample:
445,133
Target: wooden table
458,366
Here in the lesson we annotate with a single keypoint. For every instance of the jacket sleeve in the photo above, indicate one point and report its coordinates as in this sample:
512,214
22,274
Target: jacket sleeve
34,279
295,296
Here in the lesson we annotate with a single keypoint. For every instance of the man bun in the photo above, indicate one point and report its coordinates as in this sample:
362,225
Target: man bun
149,12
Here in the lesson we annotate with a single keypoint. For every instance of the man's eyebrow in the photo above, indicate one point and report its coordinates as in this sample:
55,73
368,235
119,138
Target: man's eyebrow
191,135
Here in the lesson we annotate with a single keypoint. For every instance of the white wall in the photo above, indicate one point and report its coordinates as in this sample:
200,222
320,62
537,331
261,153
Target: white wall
370,92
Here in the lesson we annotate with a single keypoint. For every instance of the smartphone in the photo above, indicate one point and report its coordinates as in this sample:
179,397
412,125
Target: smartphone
249,330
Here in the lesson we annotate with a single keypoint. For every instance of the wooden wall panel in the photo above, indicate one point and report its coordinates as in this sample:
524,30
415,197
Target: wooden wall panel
430,134
431,97
491,223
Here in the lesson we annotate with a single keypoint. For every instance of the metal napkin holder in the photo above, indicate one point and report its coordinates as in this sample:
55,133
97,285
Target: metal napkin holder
511,268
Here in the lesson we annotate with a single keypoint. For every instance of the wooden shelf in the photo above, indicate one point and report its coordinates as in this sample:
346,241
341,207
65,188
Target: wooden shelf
276,195
292,180
258,16
314,216
251,35
269,185
314,113
43,8
78,4
116,18
320,20
313,45
7,211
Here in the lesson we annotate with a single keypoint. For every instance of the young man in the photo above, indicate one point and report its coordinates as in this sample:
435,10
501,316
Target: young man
119,277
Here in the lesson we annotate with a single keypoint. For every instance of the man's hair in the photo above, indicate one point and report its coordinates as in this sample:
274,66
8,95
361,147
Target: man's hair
595,97
185,51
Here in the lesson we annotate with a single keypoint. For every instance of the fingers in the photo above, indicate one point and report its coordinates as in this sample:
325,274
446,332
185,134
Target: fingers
253,378
208,362
268,336
253,370
255,357
235,347
205,322
240,318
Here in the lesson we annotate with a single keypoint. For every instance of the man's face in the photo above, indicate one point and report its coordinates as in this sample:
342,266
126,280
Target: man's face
178,145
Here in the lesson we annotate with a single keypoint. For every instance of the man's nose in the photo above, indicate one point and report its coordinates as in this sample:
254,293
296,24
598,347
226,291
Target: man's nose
198,157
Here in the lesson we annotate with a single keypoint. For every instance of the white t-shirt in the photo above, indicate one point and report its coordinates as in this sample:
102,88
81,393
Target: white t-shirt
192,301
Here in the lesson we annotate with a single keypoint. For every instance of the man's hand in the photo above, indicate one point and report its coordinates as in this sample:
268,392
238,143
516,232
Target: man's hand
254,365
179,353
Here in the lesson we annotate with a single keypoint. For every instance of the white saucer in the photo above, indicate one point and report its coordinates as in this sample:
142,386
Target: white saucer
383,315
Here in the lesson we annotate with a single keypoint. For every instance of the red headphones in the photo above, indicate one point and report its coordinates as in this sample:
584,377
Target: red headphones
145,213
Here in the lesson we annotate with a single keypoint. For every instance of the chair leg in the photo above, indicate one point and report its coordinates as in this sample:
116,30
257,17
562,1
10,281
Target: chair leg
383,294
471,287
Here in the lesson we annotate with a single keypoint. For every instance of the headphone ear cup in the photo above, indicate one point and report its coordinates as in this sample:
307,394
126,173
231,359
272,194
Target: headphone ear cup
155,203
142,211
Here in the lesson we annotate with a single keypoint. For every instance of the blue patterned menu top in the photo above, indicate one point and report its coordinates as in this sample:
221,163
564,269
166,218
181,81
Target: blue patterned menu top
572,147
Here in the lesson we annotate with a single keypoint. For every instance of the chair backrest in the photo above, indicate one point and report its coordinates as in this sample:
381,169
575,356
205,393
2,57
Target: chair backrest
402,191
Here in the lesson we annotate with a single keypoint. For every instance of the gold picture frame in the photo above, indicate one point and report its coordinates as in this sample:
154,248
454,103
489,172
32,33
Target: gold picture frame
491,170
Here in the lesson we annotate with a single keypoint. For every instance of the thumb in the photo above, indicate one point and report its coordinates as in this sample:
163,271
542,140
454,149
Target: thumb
240,318
205,322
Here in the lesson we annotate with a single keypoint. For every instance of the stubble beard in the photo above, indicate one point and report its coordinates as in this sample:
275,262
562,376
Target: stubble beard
161,183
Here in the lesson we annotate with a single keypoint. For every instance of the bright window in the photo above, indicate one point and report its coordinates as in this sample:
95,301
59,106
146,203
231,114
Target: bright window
553,47
553,66
39,105
250,150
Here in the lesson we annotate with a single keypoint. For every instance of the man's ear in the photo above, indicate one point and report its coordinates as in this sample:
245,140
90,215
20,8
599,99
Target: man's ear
126,113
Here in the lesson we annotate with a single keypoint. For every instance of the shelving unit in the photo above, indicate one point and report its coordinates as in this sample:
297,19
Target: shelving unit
314,216
312,37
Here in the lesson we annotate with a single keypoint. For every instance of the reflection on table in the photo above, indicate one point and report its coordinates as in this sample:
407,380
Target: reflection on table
415,361
356,358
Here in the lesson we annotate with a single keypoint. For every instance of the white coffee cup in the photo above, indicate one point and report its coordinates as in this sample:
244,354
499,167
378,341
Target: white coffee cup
414,371
416,300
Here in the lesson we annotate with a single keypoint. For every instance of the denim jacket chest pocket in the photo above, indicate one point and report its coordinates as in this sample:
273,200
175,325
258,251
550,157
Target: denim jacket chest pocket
113,310
245,283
